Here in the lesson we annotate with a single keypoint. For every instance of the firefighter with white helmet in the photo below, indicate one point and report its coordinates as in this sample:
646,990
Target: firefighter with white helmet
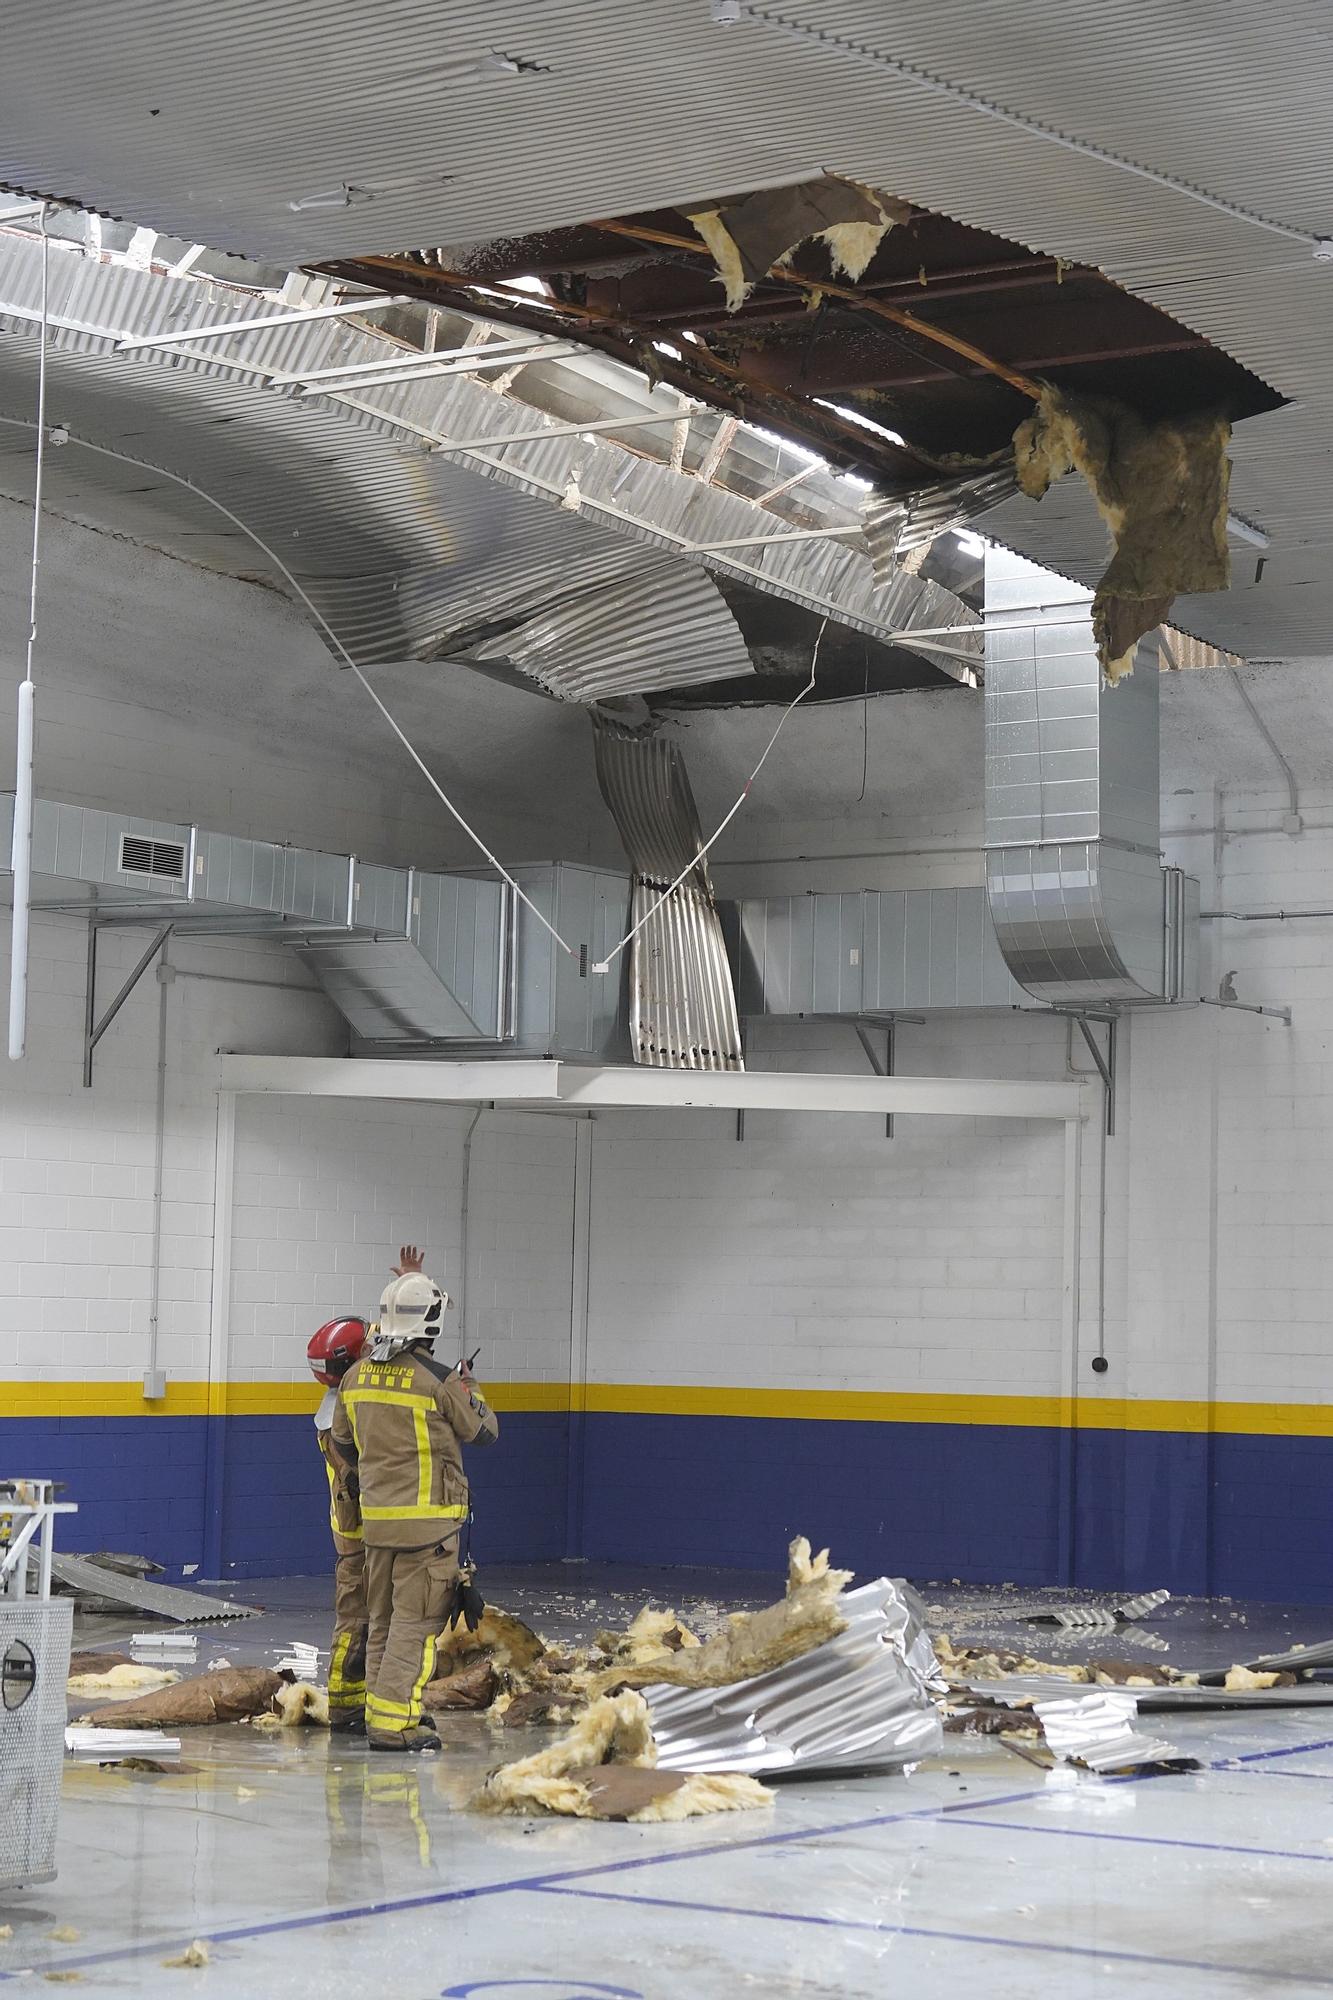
399,1423
331,1353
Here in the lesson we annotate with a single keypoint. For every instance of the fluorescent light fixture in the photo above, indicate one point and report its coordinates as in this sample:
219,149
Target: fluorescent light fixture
859,417
855,479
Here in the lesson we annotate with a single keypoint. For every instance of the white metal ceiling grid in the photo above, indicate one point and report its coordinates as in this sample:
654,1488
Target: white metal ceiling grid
652,103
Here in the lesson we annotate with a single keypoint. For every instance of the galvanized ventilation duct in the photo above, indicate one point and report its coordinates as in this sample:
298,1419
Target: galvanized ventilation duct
682,1002
1083,909
409,958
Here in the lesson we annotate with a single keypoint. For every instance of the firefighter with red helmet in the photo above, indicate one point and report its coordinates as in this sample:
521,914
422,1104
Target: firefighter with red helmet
332,1351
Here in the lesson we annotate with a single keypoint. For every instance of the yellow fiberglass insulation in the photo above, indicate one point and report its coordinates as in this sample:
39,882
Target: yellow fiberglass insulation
652,1633
295,1703
509,1642
125,1679
576,1776
751,1642
748,237
1161,488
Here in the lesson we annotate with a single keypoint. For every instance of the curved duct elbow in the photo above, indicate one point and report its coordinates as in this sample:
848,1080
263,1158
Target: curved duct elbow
1083,909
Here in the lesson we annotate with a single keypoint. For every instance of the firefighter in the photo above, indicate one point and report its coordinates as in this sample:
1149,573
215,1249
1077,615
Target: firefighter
331,1352
400,1421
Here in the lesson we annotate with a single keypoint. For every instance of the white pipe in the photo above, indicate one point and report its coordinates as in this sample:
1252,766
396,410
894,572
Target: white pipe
21,846
21,864
392,366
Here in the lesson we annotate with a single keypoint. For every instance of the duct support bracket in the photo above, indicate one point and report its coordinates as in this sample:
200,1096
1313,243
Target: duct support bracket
1105,1060
1249,1007
93,1028
885,1068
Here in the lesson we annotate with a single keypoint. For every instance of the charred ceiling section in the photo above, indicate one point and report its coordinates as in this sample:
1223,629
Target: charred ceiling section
944,337
902,346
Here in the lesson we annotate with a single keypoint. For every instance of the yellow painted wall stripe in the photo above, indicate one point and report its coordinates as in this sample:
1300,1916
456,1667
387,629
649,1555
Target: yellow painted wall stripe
238,1399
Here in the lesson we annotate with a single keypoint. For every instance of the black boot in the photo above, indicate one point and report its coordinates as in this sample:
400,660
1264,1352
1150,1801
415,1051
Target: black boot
347,1722
411,1740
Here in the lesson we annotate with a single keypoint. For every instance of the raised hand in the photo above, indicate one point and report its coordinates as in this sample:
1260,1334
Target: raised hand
409,1259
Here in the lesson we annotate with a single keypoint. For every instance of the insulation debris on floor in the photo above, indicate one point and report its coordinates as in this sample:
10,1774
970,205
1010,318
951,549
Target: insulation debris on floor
231,1694
606,1768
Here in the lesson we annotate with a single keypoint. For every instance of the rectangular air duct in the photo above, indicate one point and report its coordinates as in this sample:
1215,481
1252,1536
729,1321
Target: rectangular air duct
411,958
1083,909
871,951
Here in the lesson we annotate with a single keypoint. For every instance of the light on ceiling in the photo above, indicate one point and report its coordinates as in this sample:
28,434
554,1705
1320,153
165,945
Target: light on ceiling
859,417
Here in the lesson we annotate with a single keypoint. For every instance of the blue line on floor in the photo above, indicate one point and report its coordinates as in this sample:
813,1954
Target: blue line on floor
1317,1777
1264,1973
393,1906
1267,1756
1153,1840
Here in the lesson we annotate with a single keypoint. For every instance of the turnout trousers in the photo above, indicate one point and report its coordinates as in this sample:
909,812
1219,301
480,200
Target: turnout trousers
407,1598
347,1660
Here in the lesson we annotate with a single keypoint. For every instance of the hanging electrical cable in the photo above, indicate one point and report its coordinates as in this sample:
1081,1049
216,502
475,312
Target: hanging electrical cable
105,451
604,965
21,845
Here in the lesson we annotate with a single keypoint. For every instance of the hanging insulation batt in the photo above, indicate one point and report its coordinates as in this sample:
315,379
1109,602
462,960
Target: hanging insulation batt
748,237
1161,489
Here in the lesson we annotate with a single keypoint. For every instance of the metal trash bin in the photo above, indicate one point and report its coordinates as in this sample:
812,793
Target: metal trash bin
35,1633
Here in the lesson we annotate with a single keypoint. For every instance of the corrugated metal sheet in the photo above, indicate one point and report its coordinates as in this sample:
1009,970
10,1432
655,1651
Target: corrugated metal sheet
631,108
682,1001
860,1701
408,551
895,527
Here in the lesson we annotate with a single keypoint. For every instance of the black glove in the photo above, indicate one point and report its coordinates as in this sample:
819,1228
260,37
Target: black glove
466,1602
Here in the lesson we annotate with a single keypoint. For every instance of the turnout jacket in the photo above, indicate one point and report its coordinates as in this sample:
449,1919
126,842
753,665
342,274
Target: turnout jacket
344,1506
399,1427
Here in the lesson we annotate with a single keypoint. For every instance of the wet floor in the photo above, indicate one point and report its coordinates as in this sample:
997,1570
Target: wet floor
310,1868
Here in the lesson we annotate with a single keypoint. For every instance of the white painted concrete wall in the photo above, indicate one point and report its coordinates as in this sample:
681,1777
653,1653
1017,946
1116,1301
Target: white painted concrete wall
814,1253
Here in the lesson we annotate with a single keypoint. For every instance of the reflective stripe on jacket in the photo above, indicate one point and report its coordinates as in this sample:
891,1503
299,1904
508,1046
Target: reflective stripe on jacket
344,1506
402,1423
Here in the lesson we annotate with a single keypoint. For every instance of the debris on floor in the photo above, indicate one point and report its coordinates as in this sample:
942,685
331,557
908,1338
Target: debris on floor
1076,1617
606,1768
195,1954
107,1746
471,1687
295,1703
504,1639
102,1589
1097,1731
125,1678
751,1642
863,1699
232,1694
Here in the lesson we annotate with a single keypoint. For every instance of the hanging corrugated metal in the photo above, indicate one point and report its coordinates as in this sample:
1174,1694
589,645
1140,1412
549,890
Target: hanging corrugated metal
682,998
541,115
895,527
408,551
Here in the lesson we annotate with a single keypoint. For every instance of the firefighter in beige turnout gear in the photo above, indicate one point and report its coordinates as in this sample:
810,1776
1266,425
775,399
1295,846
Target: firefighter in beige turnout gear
400,1422
334,1349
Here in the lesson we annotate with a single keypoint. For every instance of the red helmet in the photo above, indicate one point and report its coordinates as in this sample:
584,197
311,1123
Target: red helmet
335,1348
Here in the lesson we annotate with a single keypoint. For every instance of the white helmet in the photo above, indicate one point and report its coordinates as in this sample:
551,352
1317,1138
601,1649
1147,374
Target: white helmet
411,1308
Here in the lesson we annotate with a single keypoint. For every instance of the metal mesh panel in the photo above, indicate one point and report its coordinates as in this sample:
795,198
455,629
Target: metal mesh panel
32,1737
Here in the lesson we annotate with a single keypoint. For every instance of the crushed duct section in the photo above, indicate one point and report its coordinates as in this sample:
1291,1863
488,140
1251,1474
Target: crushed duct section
682,1000
660,627
895,527
1162,491
748,237
1082,907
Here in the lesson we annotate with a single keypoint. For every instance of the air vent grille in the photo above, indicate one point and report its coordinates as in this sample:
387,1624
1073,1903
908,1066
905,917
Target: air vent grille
162,858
